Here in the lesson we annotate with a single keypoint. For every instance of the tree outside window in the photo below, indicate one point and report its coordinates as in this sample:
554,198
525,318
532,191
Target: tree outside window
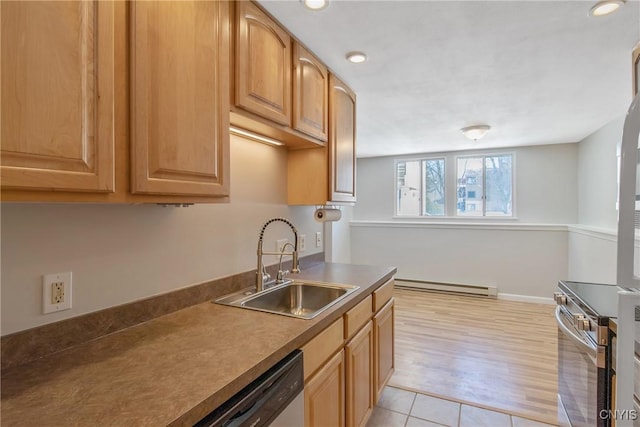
420,187
485,185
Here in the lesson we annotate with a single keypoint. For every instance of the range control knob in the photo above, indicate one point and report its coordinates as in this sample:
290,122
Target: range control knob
584,325
577,318
560,298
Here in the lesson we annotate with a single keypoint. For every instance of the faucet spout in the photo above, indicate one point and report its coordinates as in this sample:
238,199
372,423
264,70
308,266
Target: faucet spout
261,274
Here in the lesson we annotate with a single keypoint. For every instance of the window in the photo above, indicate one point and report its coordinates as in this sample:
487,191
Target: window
485,185
420,187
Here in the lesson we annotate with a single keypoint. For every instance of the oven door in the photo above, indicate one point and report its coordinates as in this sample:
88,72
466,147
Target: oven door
582,375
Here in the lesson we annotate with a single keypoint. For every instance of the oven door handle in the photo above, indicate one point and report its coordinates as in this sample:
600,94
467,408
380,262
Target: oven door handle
592,350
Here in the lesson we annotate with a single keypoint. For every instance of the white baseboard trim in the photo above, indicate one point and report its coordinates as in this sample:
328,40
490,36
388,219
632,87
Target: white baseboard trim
526,298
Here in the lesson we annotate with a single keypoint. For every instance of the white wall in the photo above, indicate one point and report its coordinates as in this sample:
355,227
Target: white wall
597,177
522,256
592,243
546,189
526,260
592,255
122,253
337,233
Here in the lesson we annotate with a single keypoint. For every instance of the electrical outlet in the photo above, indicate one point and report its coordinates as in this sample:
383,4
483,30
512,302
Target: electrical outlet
56,292
318,239
280,244
302,243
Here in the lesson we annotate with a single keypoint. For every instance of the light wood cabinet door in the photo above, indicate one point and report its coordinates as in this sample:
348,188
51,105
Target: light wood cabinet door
180,97
360,382
342,142
263,65
324,398
57,95
310,94
383,334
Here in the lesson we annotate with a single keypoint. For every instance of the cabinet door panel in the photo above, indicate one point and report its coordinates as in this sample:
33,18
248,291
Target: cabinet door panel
360,382
384,347
324,395
263,65
58,95
180,98
310,94
342,142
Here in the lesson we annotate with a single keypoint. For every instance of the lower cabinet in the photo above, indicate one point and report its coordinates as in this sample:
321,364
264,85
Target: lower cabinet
347,365
360,382
383,336
324,398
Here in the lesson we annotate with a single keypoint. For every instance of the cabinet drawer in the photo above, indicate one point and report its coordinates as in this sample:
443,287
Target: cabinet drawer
357,316
319,349
382,295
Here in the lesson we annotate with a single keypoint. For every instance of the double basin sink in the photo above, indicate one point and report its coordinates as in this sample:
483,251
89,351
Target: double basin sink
300,299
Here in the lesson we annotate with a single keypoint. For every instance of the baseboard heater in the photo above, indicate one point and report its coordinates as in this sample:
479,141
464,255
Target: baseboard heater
481,290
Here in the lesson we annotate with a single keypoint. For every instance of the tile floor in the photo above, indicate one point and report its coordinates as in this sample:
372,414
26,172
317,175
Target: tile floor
402,408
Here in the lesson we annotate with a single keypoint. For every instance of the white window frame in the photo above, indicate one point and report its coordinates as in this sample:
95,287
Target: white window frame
484,185
422,180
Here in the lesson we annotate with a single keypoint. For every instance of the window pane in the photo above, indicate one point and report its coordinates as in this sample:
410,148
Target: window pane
498,185
408,187
469,186
433,187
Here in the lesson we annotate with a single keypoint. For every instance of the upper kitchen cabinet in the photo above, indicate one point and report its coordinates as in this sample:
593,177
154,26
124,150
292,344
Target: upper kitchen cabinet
310,94
180,97
326,175
342,141
57,96
263,64
115,102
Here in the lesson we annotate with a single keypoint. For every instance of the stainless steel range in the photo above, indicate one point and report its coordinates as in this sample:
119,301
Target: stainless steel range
586,343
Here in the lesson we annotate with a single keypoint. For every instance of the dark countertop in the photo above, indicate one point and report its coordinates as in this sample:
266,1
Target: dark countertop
172,370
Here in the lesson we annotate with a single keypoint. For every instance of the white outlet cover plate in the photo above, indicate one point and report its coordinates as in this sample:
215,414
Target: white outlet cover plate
47,281
302,243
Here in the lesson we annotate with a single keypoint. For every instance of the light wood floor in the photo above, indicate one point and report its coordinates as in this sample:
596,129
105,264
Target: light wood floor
491,353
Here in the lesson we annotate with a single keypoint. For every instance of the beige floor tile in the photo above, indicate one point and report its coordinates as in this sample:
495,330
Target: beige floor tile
470,416
522,422
436,410
396,399
417,422
384,418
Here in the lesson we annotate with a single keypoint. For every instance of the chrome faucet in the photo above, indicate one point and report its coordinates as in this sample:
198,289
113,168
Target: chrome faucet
261,274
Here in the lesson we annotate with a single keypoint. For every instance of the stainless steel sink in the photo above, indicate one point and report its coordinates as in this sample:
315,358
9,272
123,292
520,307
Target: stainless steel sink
300,299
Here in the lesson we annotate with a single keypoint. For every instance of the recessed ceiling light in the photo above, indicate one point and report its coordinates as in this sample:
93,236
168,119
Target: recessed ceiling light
605,7
315,4
475,132
356,57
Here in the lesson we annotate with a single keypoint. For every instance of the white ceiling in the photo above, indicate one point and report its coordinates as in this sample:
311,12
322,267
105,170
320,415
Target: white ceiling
537,72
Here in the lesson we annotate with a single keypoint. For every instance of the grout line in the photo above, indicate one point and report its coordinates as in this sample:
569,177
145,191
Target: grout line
475,405
460,405
413,402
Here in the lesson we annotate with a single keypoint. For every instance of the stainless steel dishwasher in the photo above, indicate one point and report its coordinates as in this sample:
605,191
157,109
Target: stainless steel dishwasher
273,399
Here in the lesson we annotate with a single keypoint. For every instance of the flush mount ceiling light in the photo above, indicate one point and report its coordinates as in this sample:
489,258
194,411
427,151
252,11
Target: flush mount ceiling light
356,57
475,132
605,7
315,4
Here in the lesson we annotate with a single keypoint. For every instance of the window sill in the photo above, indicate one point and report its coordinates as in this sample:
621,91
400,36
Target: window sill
460,225
454,218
